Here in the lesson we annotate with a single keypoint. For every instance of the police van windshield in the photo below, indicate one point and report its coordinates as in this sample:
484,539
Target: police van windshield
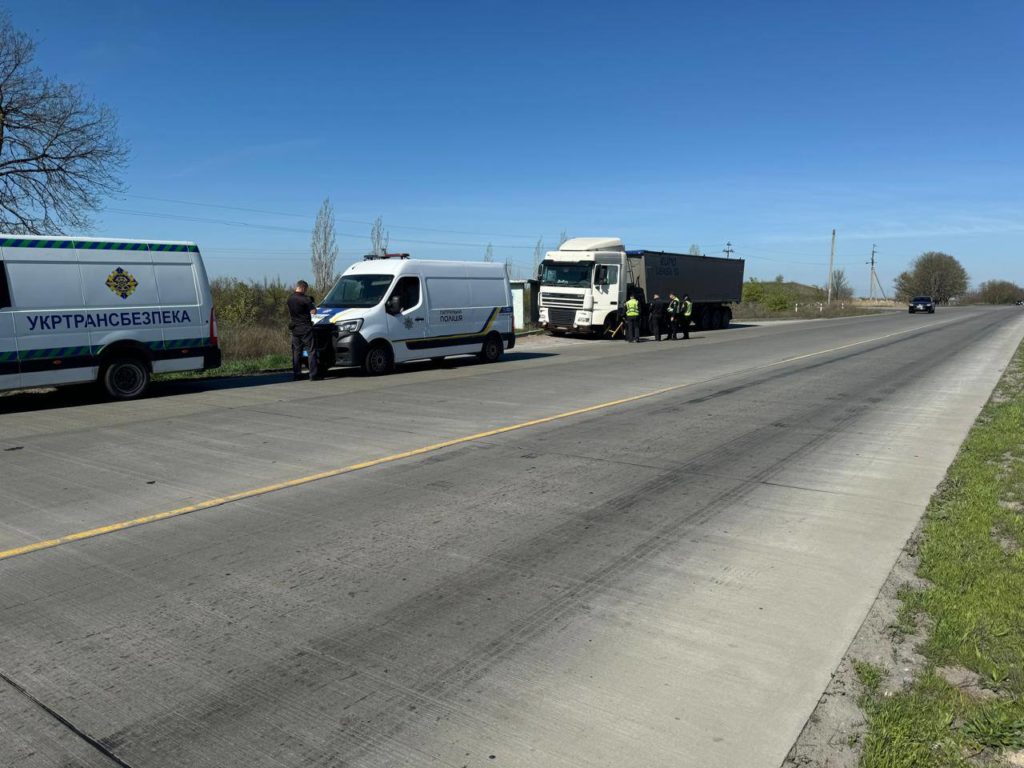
569,275
358,291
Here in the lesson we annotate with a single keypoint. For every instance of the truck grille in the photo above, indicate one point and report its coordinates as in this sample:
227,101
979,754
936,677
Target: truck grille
561,300
561,316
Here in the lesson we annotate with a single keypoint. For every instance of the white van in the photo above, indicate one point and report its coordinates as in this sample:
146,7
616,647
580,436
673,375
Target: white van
392,309
115,311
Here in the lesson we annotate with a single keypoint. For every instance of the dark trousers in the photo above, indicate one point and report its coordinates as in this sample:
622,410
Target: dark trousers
655,328
302,339
632,329
673,325
684,326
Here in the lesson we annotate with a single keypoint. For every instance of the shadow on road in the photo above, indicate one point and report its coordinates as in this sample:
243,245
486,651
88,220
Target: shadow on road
88,394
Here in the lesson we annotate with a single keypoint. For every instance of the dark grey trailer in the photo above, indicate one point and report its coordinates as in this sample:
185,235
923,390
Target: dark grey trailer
710,281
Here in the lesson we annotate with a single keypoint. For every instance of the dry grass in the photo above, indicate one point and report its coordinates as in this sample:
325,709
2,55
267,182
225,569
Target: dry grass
253,341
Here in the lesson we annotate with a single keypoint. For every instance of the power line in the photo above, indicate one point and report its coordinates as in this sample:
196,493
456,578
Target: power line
278,228
309,218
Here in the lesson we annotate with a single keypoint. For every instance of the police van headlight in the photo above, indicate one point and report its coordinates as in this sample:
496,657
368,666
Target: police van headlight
349,326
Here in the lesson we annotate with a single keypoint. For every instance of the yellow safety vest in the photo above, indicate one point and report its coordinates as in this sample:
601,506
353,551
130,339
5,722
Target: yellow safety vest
632,308
687,308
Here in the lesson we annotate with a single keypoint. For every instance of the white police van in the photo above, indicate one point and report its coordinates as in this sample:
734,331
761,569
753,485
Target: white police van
392,309
84,309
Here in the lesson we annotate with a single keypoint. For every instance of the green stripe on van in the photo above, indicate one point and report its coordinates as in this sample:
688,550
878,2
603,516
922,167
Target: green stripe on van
96,245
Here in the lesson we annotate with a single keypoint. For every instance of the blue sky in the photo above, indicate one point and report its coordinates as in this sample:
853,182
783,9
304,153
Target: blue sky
462,123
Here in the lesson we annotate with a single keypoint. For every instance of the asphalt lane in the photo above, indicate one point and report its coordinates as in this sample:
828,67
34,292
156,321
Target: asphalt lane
669,581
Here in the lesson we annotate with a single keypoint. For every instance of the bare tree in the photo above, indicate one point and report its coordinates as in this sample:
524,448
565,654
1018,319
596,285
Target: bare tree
489,253
538,255
509,268
379,237
324,249
841,287
59,151
694,249
562,237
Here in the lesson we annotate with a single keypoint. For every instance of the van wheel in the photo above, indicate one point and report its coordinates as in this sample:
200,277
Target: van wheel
378,360
125,377
437,360
492,349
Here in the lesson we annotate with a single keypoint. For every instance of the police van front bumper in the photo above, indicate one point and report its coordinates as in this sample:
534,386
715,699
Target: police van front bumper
344,350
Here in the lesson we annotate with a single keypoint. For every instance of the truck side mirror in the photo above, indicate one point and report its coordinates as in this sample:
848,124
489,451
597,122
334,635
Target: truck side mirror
601,275
393,306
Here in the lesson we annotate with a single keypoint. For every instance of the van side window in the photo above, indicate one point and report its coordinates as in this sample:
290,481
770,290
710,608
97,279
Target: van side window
408,291
5,290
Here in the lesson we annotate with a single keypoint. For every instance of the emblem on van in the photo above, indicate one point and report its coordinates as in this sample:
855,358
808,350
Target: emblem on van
122,283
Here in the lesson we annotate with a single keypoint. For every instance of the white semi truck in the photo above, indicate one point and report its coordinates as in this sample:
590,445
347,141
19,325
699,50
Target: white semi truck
585,283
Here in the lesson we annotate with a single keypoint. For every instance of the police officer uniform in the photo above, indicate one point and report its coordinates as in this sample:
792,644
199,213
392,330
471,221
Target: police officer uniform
685,315
673,315
632,319
656,316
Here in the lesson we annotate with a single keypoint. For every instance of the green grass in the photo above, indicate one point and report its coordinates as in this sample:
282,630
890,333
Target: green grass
870,676
970,553
241,367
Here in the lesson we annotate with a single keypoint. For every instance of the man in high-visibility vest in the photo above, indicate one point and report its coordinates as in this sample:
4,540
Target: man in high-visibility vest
632,319
685,315
674,307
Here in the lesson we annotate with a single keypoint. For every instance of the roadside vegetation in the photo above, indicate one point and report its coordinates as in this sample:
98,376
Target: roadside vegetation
252,326
966,706
781,299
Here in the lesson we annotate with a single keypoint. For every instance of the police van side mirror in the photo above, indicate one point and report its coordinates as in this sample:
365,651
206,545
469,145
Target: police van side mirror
393,306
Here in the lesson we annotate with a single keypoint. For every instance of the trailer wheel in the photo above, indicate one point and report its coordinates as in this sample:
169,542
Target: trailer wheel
492,348
378,360
726,317
716,319
125,377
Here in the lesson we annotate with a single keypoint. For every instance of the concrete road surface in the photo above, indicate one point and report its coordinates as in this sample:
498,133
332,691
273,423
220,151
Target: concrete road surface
621,555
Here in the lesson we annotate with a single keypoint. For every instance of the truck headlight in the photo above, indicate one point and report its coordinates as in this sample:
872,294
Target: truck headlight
544,314
350,326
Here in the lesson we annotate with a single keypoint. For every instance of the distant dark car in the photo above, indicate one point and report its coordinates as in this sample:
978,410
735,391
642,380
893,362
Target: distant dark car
1020,302
922,304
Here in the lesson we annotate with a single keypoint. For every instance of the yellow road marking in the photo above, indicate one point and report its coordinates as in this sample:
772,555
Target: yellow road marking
242,495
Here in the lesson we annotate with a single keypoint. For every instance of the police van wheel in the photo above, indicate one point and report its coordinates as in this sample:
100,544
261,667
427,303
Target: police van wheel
125,377
378,360
492,349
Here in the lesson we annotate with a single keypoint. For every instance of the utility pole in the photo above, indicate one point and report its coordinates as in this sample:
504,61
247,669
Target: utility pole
874,275
874,278
831,264
728,250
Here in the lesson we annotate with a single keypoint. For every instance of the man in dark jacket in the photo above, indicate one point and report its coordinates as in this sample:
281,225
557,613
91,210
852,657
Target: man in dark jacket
300,322
657,312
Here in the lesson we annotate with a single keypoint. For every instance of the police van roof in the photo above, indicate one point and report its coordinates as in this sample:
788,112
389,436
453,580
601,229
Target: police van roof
435,266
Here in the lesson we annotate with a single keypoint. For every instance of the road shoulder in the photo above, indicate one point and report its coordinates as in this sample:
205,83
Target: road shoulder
935,675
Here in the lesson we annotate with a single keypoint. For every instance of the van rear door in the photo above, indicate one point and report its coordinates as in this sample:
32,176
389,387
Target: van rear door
10,370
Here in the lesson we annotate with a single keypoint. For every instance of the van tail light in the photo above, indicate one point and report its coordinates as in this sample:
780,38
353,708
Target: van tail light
213,327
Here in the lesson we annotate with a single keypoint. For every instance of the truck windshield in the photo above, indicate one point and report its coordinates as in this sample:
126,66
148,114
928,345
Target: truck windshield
573,275
358,291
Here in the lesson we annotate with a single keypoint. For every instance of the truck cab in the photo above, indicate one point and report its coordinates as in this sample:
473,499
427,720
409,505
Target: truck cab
582,285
